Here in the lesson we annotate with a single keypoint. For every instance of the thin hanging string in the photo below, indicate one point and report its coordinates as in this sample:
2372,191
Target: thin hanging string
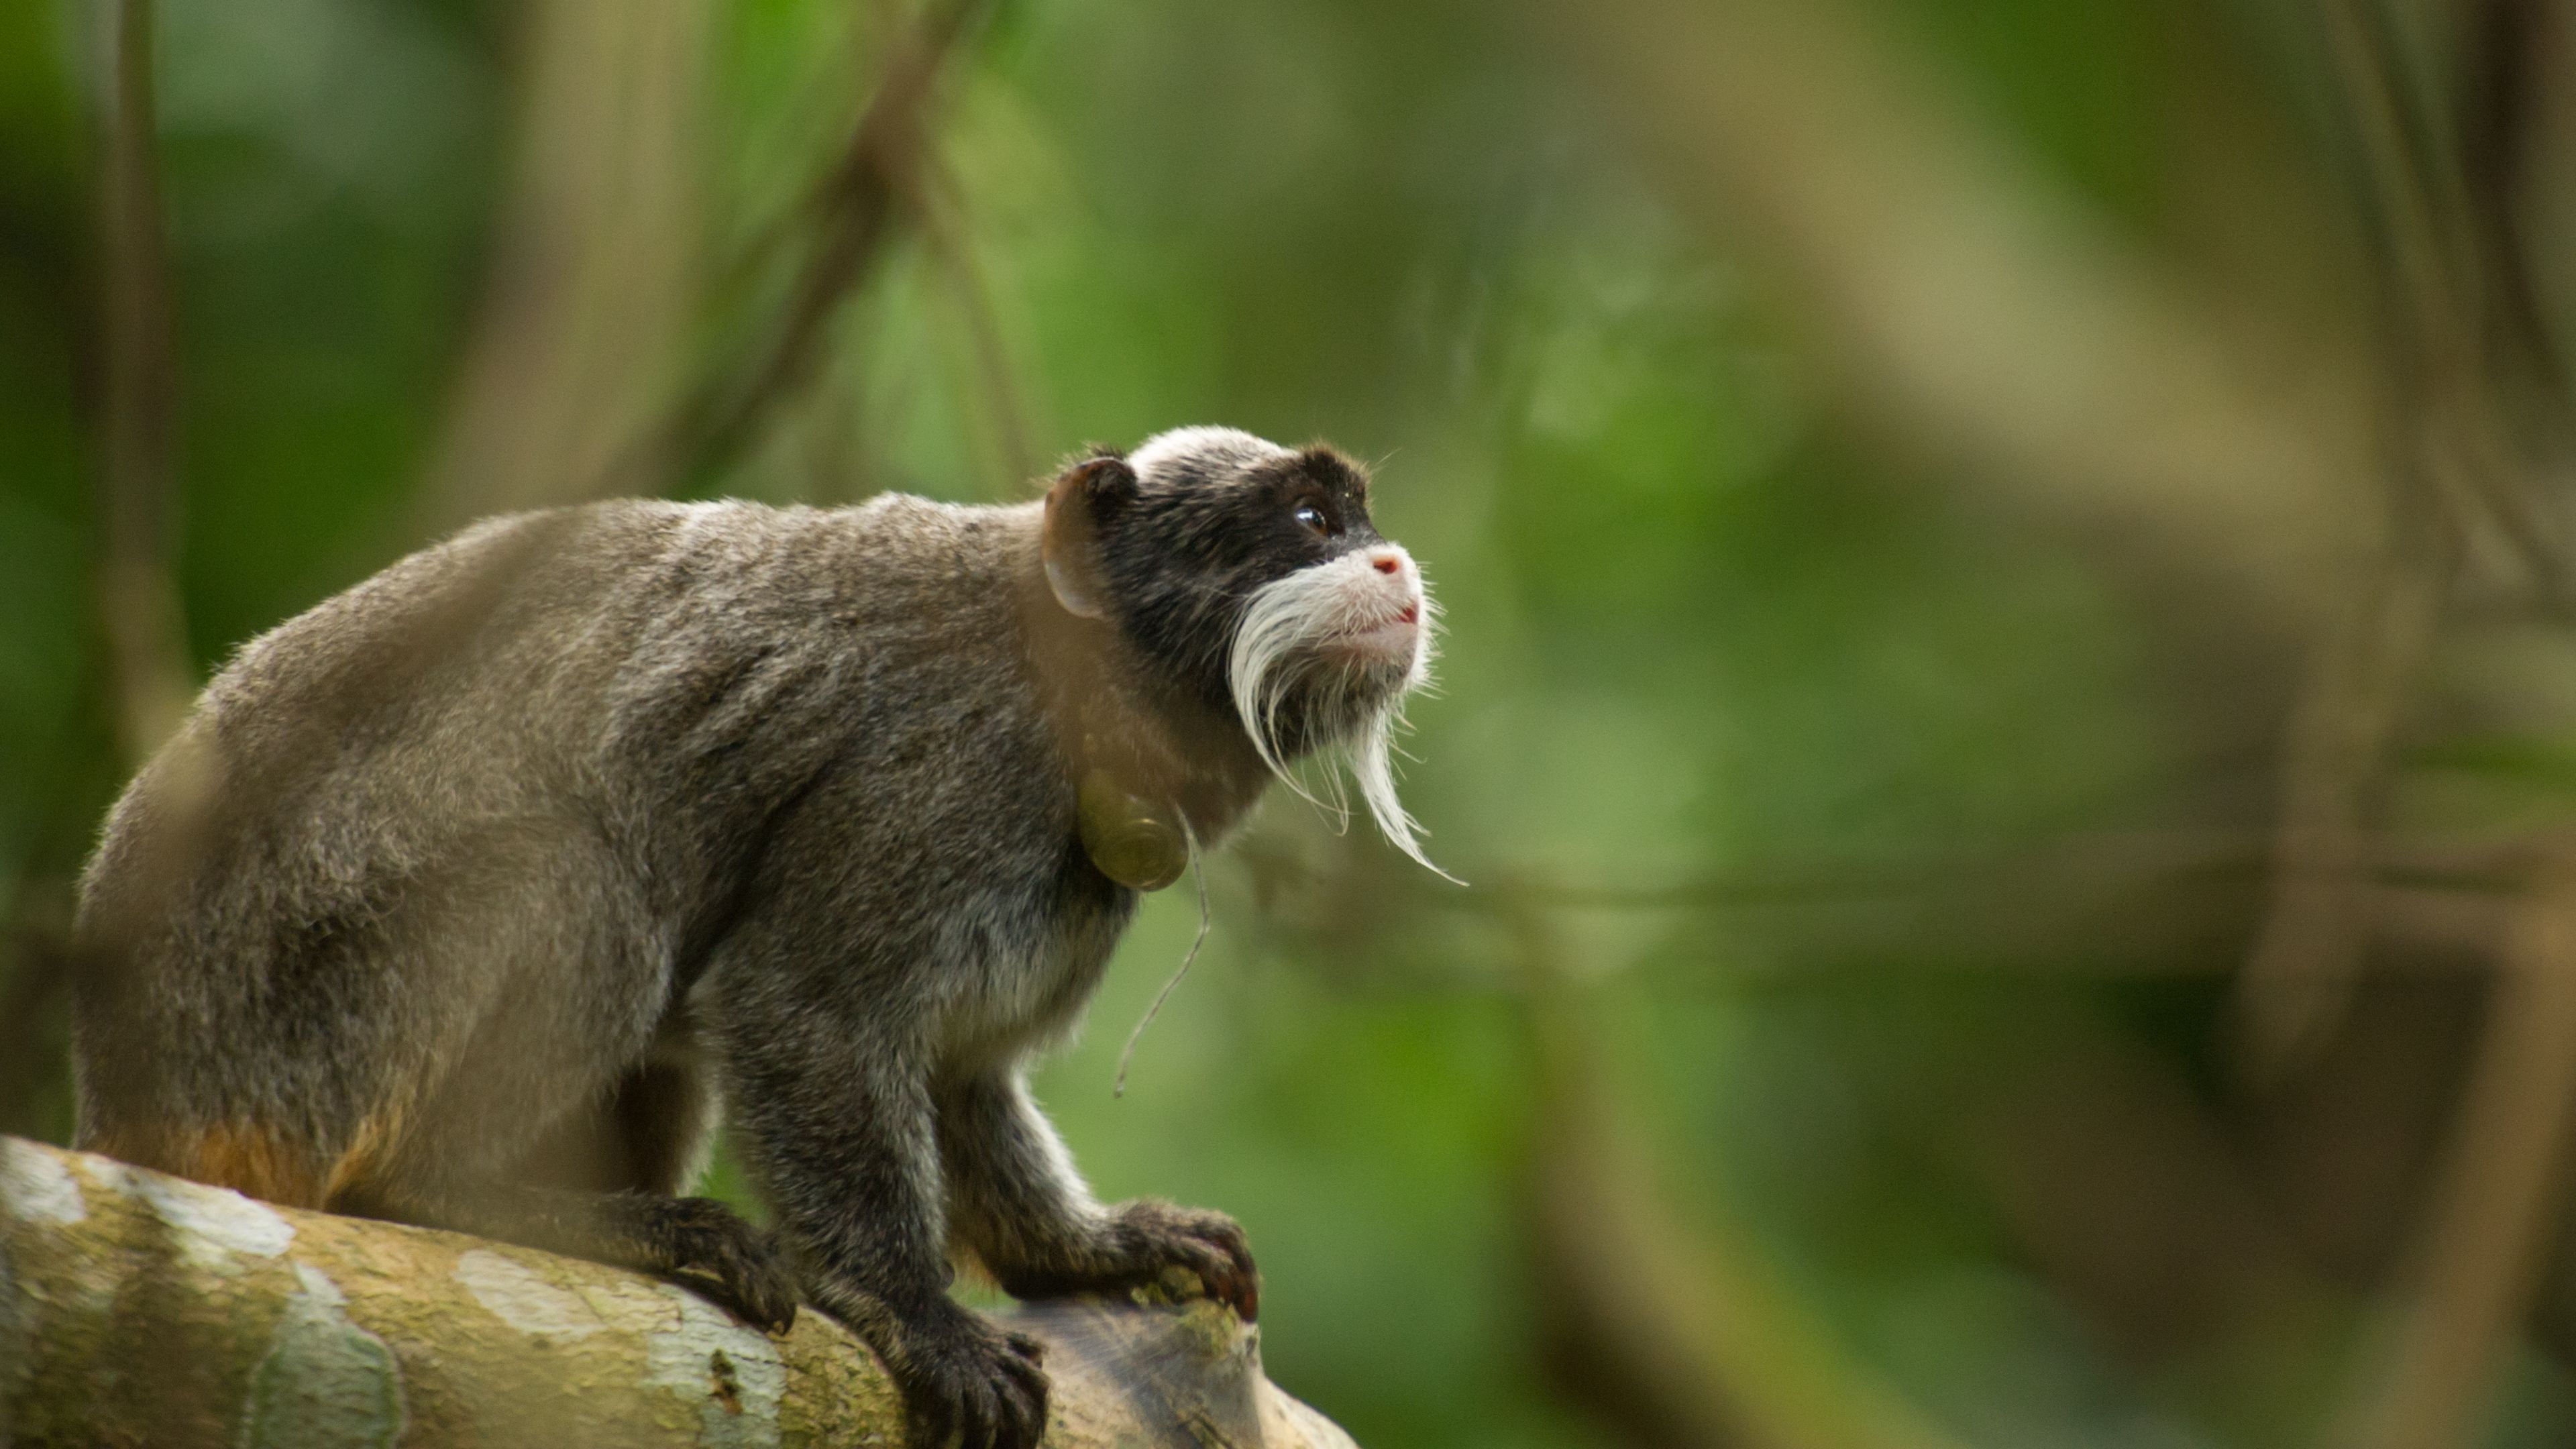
1198,873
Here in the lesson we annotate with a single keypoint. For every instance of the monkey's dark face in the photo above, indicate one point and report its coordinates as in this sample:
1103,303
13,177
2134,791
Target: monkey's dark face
1255,575
1254,579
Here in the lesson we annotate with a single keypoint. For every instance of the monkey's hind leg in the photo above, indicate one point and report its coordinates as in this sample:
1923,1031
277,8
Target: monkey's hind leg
599,1186
696,1242
652,1135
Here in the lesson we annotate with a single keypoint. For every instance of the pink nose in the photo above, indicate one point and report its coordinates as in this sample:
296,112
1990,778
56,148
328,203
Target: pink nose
1388,563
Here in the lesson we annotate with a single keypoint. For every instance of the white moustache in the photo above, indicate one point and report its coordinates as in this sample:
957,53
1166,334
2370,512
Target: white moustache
1348,613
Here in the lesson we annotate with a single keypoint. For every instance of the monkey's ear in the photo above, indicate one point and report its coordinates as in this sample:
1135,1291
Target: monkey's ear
1072,543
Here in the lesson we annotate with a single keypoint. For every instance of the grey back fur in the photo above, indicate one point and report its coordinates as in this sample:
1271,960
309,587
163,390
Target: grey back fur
544,770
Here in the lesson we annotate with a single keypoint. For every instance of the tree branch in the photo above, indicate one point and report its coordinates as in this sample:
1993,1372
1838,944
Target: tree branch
140,1308
1978,307
581,333
2498,1198
854,216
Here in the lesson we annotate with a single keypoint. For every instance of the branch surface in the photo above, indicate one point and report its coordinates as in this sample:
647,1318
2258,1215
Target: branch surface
141,1308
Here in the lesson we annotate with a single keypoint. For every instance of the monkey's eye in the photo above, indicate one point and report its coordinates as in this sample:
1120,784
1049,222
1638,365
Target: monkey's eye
1311,517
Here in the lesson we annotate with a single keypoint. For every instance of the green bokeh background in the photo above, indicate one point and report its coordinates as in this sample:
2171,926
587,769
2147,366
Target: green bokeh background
1707,622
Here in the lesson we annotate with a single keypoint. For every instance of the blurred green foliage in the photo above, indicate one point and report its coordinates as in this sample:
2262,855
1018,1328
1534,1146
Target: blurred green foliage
1706,624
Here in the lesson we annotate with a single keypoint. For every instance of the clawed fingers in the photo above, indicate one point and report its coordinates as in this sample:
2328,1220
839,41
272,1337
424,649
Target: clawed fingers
1140,1245
1014,1406
1227,1269
762,1298
763,1292
985,1416
934,1420
978,1390
1208,1245
1026,1400
1214,1270
724,1259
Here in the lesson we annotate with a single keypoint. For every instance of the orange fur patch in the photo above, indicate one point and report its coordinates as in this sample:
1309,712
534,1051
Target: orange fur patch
245,1159
365,1162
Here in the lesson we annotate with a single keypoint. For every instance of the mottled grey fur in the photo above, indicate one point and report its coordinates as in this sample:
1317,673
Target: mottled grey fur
462,893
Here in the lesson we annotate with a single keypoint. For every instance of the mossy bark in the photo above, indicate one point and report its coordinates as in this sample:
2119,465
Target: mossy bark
137,1308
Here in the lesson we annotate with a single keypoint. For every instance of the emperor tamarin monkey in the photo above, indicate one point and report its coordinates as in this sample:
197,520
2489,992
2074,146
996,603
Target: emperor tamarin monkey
462,898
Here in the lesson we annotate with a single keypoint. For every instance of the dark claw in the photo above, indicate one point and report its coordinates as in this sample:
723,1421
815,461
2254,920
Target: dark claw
727,1261
1212,1246
937,1420
1143,1242
972,1384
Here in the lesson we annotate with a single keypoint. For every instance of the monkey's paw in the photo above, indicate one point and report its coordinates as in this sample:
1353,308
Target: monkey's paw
707,1247
966,1381
1148,1236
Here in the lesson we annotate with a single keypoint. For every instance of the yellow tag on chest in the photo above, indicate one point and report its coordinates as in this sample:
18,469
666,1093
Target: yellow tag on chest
1133,841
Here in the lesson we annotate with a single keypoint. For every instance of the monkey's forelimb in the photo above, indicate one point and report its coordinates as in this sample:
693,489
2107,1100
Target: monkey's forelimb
836,1121
1021,1208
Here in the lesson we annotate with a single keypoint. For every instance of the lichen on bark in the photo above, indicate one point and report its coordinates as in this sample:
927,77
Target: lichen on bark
136,1307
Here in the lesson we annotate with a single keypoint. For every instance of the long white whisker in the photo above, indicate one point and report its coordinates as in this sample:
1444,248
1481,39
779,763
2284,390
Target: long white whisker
1273,653
1376,778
